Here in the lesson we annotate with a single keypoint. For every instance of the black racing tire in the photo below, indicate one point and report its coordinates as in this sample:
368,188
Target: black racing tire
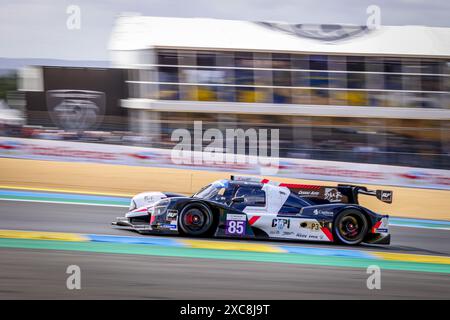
350,227
196,219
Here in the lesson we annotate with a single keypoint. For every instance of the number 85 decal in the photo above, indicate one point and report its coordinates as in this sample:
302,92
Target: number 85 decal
235,227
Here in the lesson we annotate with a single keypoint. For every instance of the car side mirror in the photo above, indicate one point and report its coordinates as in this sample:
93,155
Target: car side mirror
238,200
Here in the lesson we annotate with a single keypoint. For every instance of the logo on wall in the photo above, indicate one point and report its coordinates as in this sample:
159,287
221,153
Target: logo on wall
322,32
76,109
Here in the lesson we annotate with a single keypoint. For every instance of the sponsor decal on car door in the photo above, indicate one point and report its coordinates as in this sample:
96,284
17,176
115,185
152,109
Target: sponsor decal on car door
235,224
291,228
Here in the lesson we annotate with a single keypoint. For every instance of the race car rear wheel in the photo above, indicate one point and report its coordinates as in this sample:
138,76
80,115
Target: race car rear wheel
196,220
350,227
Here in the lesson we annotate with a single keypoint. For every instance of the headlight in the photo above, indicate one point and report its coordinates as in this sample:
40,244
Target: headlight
159,207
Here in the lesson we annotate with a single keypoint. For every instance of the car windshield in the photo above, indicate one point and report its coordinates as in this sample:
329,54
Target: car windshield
213,191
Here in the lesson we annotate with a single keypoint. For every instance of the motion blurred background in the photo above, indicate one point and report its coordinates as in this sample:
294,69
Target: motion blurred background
345,93
91,92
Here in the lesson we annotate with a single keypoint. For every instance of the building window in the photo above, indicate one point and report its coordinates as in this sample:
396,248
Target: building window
356,63
168,57
300,61
412,66
430,66
168,76
318,62
244,75
393,82
319,79
281,61
206,59
168,87
296,78
356,81
394,66
431,83
337,63
186,58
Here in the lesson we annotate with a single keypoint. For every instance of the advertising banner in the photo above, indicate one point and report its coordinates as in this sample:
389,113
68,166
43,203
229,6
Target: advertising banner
356,173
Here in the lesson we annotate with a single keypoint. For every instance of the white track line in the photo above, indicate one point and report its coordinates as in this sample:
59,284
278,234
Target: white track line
65,202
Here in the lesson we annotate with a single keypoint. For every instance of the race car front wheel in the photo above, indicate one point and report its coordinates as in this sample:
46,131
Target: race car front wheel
350,227
196,220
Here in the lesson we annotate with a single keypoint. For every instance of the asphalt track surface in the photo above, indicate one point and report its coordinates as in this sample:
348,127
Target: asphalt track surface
26,273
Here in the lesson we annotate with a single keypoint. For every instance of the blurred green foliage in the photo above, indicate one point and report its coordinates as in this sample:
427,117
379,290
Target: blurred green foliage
8,82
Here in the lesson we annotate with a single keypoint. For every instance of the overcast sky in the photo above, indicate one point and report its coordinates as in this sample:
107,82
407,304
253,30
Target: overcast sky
37,29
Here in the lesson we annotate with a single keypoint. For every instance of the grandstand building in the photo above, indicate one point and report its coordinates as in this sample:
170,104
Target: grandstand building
343,93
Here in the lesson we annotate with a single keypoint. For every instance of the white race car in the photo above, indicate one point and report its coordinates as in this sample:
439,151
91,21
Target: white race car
247,207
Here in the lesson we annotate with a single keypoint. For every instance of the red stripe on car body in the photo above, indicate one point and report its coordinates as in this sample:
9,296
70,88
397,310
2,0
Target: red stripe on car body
327,233
300,186
376,226
253,219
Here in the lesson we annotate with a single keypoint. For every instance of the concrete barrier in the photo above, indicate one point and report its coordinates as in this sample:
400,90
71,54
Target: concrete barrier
128,180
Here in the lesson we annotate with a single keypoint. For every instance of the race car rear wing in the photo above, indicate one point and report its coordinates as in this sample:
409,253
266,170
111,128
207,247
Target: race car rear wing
340,193
383,195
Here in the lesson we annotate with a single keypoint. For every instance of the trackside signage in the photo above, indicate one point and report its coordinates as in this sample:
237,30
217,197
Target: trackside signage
291,168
